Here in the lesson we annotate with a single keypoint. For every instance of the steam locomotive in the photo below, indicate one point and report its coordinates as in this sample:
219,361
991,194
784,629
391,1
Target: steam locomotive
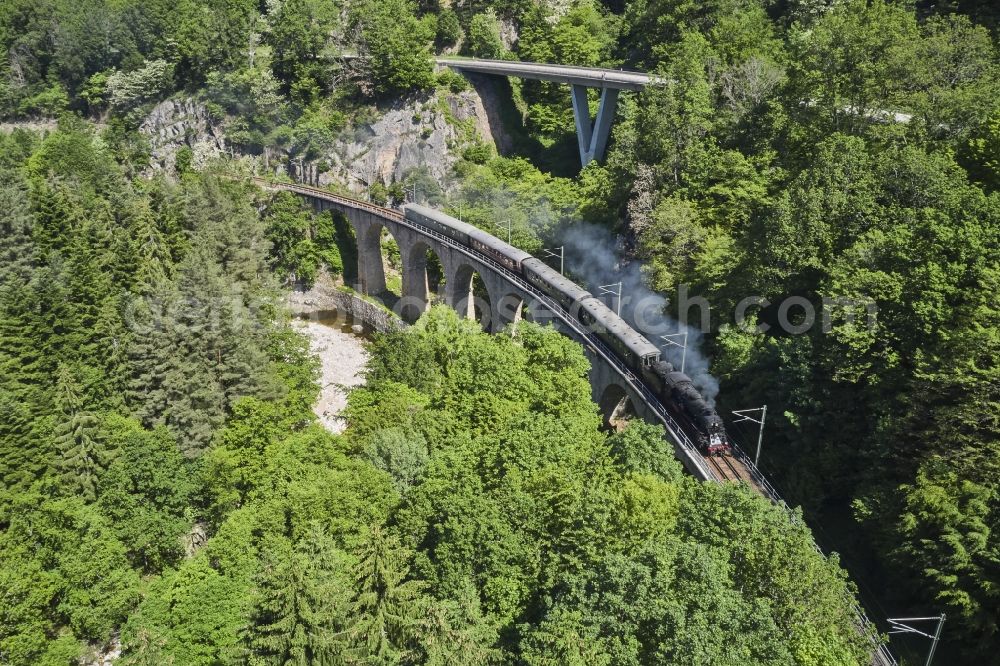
699,418
689,408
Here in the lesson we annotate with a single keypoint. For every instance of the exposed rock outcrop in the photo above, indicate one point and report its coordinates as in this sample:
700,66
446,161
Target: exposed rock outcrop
46,125
325,300
427,132
173,124
103,655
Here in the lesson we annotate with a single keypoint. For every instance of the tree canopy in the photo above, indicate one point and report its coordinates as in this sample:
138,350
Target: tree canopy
829,151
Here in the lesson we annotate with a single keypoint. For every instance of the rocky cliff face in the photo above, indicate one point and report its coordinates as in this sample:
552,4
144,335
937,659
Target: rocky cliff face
427,133
40,126
173,124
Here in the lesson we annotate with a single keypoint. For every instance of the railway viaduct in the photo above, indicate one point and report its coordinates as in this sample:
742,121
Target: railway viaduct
504,297
478,287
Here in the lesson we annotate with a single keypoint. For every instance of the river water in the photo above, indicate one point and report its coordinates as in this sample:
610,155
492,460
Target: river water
343,358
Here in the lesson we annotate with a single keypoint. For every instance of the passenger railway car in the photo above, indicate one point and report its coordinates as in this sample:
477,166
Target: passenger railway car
499,251
439,222
468,235
551,282
637,351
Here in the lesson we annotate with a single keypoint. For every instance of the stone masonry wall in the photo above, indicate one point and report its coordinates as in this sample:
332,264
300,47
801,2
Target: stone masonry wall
325,298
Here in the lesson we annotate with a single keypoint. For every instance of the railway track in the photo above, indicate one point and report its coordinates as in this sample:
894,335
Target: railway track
740,471
718,468
729,468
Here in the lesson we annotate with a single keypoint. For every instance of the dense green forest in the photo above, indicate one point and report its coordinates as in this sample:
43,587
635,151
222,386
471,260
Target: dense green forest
153,395
166,482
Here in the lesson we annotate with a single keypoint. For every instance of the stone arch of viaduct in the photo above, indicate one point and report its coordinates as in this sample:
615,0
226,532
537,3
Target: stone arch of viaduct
506,300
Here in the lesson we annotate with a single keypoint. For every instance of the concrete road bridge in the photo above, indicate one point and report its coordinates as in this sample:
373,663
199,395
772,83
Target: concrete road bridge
505,297
592,136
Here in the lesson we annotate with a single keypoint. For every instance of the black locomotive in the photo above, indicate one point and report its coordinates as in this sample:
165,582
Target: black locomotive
698,418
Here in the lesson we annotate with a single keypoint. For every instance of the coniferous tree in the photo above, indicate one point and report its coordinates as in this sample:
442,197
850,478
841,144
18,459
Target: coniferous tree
387,609
111,339
49,324
299,607
82,457
23,456
142,255
194,405
25,443
150,320
88,285
456,633
15,228
55,216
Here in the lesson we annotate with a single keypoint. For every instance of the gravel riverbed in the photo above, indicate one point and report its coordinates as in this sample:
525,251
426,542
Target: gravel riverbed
343,359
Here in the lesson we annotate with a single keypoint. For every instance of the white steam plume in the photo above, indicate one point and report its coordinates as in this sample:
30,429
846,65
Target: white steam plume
593,257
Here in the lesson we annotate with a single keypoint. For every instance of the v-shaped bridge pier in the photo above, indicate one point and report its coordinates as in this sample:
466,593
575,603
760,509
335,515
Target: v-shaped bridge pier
593,135
593,138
